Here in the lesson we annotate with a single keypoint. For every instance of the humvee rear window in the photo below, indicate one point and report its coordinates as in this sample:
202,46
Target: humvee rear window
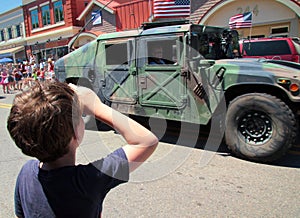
116,54
278,47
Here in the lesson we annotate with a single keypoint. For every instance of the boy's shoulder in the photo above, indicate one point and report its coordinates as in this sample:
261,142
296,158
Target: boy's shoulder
29,167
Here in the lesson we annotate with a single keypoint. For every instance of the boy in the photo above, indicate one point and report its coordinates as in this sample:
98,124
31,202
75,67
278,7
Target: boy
45,122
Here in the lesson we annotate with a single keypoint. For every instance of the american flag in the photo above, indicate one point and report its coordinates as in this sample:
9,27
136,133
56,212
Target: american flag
241,21
171,8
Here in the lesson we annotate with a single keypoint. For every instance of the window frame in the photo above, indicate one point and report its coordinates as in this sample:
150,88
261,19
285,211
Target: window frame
18,30
2,35
58,7
9,33
34,18
46,19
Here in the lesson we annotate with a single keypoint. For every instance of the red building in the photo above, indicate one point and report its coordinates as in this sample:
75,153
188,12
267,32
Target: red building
50,24
112,16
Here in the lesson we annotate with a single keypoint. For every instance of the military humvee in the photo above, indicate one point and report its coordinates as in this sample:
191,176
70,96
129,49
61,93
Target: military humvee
254,103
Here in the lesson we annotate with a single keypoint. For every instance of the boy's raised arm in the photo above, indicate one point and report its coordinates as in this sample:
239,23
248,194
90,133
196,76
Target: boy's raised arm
141,142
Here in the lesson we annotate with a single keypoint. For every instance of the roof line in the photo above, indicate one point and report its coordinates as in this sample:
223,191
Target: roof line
90,6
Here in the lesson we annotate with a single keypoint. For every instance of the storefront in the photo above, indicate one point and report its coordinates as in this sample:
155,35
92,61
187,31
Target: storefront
49,49
15,53
270,18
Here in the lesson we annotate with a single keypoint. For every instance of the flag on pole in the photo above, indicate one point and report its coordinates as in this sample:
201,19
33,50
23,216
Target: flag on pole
171,8
96,17
241,21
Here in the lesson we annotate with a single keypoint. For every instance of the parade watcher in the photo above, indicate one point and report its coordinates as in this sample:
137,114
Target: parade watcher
42,75
18,78
35,74
31,58
27,74
11,80
4,81
50,65
29,69
46,123
50,75
42,64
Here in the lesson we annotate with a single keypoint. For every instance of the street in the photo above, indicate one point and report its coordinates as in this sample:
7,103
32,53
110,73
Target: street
183,178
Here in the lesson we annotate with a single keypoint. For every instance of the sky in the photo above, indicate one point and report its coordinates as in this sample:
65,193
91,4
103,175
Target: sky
6,5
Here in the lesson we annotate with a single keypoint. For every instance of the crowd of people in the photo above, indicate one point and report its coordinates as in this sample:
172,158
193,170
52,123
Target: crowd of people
23,75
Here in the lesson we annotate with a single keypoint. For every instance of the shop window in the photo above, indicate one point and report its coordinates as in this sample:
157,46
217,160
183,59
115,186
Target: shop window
34,19
280,31
46,15
257,36
58,11
50,53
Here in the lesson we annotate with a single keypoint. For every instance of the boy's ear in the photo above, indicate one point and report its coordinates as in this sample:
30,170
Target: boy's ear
75,139
76,132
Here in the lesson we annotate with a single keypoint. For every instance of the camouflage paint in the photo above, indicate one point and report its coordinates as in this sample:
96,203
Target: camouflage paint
170,96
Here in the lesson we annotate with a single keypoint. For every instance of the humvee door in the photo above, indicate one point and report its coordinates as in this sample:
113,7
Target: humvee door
119,71
160,84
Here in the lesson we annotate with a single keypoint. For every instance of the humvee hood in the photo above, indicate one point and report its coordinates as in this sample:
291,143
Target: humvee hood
253,66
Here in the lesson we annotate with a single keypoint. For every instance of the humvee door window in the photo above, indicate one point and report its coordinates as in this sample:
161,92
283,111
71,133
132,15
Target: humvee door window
116,54
161,52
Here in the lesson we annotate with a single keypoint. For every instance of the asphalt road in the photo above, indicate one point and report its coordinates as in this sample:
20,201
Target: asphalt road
184,178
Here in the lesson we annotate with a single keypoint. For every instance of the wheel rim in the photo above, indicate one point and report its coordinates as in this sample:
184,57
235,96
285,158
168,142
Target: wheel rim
255,127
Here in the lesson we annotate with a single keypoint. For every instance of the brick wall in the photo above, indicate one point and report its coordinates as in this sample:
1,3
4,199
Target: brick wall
200,7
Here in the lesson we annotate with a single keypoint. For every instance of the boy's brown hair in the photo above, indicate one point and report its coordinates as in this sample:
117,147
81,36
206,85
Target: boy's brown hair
41,120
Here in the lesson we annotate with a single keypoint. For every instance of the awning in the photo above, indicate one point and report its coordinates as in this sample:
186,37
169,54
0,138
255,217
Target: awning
10,51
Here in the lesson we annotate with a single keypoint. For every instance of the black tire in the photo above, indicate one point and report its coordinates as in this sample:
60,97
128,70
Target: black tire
259,127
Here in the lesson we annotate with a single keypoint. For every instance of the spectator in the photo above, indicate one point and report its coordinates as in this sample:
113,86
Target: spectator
35,74
18,78
11,80
50,65
42,75
4,81
45,122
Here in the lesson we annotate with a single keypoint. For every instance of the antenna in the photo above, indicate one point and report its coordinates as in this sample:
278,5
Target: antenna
87,23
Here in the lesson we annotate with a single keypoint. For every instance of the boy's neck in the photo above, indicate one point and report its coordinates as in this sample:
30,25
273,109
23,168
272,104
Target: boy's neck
66,160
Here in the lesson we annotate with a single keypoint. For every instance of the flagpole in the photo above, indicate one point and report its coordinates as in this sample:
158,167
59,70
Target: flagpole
251,26
150,10
87,23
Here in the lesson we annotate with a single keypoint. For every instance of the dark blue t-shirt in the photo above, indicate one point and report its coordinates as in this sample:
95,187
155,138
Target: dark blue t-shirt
73,191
